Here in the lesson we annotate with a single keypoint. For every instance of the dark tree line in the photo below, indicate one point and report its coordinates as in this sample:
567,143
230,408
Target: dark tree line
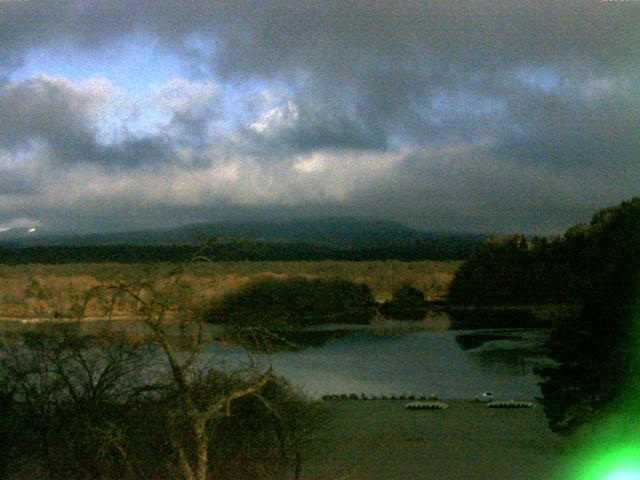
595,267
513,270
597,353
566,269
450,249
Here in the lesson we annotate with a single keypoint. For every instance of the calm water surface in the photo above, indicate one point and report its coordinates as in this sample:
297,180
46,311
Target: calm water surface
397,358
420,362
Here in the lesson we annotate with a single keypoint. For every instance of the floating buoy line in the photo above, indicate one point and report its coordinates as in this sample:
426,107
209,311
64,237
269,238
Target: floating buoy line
423,402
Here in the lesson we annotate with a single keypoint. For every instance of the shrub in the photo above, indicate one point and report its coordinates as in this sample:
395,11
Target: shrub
295,301
407,304
265,435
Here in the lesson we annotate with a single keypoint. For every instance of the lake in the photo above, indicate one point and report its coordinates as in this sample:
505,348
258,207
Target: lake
394,358
420,362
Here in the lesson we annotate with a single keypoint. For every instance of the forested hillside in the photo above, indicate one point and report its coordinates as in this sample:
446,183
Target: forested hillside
559,270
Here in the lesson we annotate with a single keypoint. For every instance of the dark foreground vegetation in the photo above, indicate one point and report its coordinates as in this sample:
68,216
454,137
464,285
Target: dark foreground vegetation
115,407
78,407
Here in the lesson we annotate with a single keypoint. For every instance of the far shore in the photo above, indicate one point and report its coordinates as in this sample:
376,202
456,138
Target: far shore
544,314
36,320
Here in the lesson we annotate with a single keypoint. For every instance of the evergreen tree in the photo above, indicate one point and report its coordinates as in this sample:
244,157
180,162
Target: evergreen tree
596,354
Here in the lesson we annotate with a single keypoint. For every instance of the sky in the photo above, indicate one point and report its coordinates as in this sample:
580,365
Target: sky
478,115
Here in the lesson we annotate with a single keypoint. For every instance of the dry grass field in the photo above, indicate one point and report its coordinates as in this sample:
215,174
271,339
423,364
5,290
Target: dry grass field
380,440
60,291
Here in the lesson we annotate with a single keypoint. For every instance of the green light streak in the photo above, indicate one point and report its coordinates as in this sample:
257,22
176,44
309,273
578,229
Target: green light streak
611,451
624,475
621,462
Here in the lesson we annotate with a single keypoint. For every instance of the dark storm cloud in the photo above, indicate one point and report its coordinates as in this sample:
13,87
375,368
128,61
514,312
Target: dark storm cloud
534,98
369,72
131,152
308,127
386,62
578,127
57,114
358,43
378,65
337,38
474,190
13,184
42,109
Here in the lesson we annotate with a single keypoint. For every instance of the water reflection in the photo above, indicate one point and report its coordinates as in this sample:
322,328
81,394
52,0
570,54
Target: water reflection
515,349
493,318
473,340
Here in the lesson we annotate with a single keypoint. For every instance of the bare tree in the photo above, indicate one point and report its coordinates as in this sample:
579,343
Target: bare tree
198,395
154,408
57,381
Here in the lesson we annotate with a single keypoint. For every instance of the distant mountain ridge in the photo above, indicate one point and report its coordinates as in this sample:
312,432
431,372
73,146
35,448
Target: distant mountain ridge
293,240
331,232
